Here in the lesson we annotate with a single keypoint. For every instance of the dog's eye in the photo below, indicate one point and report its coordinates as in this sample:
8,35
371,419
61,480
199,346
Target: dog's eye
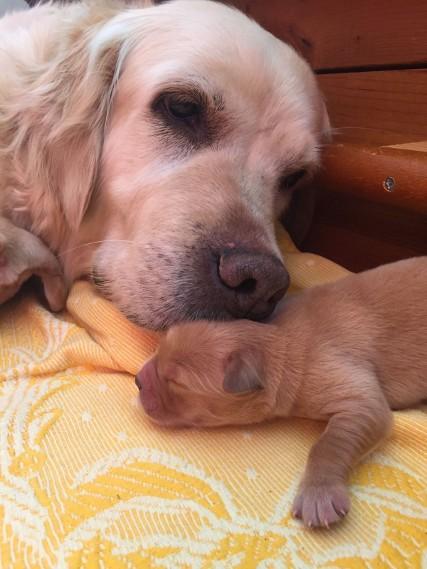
288,181
183,110
179,109
186,114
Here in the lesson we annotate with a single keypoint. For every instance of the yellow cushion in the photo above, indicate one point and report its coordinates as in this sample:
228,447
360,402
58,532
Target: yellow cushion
86,481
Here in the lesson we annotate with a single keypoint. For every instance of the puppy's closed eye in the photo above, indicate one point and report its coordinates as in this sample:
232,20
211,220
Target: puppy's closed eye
174,376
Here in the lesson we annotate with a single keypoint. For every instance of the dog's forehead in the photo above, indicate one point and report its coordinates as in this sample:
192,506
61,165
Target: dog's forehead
188,39
218,49
269,98
262,99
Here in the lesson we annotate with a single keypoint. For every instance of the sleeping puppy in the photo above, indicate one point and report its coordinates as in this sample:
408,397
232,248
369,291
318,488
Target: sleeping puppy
22,255
346,353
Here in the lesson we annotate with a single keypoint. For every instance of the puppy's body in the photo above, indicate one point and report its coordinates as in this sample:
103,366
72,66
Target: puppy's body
345,352
374,322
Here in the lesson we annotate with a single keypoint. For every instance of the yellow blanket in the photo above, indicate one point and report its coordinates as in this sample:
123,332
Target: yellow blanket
86,481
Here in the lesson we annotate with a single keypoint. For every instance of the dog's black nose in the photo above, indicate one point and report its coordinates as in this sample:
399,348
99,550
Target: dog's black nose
252,282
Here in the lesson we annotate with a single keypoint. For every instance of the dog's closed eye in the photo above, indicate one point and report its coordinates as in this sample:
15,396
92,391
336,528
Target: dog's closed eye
183,113
187,112
289,181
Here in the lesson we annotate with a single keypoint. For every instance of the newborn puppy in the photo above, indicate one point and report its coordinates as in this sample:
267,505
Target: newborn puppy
22,255
346,353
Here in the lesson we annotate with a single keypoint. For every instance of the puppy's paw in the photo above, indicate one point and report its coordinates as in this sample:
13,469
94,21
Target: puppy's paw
321,505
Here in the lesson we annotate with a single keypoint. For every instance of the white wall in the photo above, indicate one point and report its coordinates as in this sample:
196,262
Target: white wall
8,5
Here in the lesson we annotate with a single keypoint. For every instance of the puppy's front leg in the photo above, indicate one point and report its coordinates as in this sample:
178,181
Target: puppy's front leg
351,433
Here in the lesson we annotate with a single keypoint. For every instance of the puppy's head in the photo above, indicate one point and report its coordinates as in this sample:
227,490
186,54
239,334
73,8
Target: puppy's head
209,375
173,139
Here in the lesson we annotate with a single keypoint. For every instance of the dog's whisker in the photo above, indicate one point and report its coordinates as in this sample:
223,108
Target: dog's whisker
95,243
339,129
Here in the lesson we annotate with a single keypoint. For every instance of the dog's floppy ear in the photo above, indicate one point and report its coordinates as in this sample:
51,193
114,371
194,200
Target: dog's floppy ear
60,124
243,372
74,144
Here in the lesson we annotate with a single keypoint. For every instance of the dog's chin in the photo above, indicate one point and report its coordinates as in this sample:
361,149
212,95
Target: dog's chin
160,319
166,287
171,312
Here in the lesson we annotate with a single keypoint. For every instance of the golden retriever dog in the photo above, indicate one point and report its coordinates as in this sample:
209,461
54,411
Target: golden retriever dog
346,353
152,148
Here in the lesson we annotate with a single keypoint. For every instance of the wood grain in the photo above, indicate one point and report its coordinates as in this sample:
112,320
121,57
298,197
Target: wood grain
359,223
381,122
379,111
381,174
333,34
412,146
394,102
359,234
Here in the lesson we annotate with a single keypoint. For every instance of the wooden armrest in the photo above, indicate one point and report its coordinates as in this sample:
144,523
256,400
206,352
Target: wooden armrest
373,200
386,173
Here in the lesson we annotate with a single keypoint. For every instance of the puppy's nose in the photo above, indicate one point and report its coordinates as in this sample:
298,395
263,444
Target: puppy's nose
252,282
138,382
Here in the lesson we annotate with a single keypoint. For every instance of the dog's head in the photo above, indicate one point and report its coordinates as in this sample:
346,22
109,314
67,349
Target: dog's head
209,374
182,131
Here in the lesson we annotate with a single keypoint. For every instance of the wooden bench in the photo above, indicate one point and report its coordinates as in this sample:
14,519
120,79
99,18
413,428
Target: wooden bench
371,61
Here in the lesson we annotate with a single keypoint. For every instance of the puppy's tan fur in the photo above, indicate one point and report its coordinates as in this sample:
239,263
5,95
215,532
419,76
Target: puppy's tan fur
346,353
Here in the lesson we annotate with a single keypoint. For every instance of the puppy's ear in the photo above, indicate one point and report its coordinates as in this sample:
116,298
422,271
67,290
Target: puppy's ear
243,372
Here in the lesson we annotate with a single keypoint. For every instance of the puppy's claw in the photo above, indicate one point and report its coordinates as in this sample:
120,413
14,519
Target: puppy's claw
323,505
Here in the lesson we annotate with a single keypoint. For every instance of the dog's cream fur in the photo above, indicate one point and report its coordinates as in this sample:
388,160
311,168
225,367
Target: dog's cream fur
85,165
345,353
